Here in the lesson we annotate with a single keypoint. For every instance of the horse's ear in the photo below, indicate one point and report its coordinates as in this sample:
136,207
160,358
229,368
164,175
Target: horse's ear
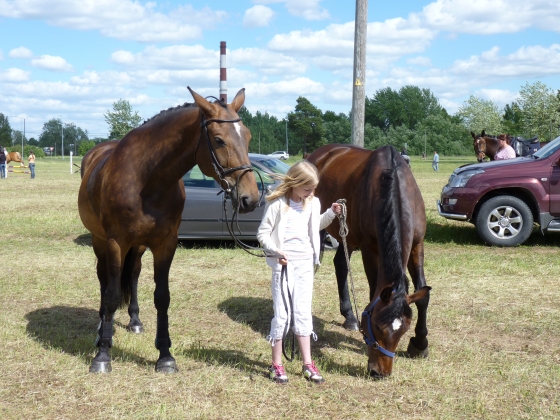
386,293
473,135
418,295
483,133
239,100
202,103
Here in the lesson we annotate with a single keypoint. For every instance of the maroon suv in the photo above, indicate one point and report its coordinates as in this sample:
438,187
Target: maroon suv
503,198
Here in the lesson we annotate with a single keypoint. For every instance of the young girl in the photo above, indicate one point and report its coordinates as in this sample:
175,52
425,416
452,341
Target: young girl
290,228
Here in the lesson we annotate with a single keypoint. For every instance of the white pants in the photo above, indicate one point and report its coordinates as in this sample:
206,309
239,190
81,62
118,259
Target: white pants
300,283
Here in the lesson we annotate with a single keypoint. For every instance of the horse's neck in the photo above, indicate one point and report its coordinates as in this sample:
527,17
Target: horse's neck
173,151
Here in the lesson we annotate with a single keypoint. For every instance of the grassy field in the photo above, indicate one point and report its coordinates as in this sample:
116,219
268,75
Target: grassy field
494,326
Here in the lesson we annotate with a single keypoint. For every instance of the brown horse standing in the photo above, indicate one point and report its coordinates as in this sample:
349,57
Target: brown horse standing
387,222
131,197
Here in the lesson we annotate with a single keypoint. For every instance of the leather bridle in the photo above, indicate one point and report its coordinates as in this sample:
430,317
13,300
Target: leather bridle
481,154
220,171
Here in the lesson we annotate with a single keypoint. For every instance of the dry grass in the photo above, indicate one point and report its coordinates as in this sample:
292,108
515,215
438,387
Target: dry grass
494,327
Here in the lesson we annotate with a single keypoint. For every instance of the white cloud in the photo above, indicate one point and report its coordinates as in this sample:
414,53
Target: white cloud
13,75
491,17
49,62
526,62
20,52
500,97
257,17
120,19
420,61
306,9
172,57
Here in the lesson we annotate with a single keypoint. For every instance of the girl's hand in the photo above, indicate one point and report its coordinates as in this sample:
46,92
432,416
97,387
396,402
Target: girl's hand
337,208
283,261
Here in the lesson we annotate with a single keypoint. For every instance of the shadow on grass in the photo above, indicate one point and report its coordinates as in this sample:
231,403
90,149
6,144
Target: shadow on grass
83,240
212,244
73,331
467,235
257,313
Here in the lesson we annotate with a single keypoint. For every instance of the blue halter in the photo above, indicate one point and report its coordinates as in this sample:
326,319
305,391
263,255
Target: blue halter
373,343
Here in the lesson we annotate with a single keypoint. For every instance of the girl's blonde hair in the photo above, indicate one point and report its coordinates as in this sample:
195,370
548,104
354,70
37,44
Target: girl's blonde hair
300,174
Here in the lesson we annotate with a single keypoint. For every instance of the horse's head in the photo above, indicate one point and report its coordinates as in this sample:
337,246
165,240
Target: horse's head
223,150
384,322
479,143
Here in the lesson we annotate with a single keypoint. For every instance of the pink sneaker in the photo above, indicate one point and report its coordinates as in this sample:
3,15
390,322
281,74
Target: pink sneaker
311,373
278,374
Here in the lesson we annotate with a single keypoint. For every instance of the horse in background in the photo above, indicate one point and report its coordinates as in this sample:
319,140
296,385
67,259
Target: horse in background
386,221
14,157
488,146
131,198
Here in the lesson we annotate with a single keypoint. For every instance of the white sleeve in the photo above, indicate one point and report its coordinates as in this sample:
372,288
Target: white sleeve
264,234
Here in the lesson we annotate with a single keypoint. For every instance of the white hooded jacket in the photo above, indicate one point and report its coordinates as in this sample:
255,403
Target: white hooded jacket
273,227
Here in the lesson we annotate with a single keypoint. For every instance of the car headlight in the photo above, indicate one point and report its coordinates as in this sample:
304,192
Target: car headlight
457,181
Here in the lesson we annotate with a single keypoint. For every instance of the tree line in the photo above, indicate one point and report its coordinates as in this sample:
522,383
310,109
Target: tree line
410,118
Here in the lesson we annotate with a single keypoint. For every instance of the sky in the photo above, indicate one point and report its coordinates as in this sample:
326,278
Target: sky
72,59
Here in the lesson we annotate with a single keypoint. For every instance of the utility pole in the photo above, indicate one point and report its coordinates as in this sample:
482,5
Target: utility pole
358,92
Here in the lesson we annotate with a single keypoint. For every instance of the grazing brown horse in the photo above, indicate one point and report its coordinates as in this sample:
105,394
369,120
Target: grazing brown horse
132,196
14,157
387,221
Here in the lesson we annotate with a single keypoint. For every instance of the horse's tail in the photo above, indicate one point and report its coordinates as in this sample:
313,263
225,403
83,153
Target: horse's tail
126,277
388,219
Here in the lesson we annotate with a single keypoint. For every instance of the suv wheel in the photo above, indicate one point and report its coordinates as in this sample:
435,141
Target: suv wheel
505,221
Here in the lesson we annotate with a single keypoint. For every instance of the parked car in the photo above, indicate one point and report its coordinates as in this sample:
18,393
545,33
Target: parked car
47,151
203,215
280,155
503,198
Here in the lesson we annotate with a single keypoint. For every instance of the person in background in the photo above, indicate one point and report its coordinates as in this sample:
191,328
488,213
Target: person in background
435,161
290,229
31,161
505,151
2,163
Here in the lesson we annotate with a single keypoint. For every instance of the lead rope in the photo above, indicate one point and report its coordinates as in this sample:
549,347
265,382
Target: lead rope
343,232
289,325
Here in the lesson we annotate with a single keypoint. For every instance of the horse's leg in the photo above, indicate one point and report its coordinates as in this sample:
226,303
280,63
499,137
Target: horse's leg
341,270
163,256
108,271
131,272
418,345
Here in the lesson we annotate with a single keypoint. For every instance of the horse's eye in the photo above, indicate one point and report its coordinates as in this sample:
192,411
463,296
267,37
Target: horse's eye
219,142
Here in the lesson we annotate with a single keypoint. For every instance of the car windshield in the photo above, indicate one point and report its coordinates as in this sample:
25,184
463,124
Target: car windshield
548,149
265,166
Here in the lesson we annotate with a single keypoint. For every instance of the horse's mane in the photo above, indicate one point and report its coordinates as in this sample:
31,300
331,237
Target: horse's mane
185,105
169,110
389,239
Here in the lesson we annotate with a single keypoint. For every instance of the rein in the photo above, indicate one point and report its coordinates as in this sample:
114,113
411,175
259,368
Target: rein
343,232
287,327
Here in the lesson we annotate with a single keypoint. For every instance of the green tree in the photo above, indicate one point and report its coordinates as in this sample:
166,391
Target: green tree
51,136
512,119
418,104
5,131
307,125
122,119
85,146
478,114
385,109
539,105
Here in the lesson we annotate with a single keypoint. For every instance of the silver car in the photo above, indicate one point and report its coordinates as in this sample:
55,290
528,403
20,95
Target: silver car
203,214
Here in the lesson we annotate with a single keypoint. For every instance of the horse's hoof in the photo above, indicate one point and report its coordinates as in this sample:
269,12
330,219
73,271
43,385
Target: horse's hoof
167,365
100,367
136,329
415,353
351,324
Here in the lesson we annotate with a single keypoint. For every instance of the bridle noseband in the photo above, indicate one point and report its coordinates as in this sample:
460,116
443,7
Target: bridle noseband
220,171
479,150
373,342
